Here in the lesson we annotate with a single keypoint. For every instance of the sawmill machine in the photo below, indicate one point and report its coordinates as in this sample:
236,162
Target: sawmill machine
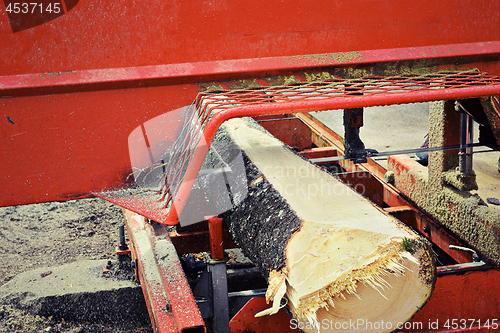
125,101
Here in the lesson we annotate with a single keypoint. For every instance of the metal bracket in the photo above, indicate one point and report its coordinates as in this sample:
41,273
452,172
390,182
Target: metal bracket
220,300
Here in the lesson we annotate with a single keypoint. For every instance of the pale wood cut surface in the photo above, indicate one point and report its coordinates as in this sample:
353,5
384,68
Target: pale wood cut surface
347,261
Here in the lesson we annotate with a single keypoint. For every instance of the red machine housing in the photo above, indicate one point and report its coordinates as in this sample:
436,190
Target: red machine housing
75,84
63,82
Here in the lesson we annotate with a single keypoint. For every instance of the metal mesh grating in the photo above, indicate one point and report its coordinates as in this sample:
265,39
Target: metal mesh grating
209,103
329,89
182,152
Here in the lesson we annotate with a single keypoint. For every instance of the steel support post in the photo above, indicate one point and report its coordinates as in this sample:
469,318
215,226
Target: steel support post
220,300
466,138
218,276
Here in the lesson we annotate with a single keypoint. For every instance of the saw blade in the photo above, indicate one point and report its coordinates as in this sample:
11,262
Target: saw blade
371,153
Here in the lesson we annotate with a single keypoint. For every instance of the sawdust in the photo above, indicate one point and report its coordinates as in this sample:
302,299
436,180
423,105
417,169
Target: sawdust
472,220
55,233
344,71
469,217
340,58
16,320
463,182
442,115
319,76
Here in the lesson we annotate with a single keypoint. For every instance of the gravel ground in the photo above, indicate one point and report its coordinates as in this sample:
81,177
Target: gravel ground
52,234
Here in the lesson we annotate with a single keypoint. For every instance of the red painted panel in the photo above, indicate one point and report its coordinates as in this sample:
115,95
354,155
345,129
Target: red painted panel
23,15
324,15
472,296
245,320
112,34
66,145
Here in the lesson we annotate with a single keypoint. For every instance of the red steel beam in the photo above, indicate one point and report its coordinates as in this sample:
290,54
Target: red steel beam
76,80
216,237
171,304
110,34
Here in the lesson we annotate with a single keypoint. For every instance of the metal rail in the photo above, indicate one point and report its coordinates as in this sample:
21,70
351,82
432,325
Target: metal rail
314,96
373,154
158,269
96,79
212,108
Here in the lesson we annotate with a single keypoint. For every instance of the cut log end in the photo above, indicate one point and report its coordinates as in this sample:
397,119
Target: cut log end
336,257
387,286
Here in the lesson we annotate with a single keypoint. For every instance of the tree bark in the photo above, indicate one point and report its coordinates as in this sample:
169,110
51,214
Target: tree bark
340,261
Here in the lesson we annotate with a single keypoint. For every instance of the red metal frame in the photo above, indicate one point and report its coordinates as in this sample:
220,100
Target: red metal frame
74,88
96,79
216,239
63,117
315,96
462,291
170,302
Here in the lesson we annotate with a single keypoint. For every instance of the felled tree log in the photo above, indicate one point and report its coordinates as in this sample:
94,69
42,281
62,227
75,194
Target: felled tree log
339,261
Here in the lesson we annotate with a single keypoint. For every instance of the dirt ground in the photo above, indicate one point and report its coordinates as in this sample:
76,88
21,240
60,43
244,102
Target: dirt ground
52,234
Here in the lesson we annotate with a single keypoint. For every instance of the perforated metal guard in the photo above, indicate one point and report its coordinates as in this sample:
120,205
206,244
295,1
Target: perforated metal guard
340,88
211,108
183,151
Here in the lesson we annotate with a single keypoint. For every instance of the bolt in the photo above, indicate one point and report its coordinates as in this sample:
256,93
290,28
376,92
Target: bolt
121,231
167,306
